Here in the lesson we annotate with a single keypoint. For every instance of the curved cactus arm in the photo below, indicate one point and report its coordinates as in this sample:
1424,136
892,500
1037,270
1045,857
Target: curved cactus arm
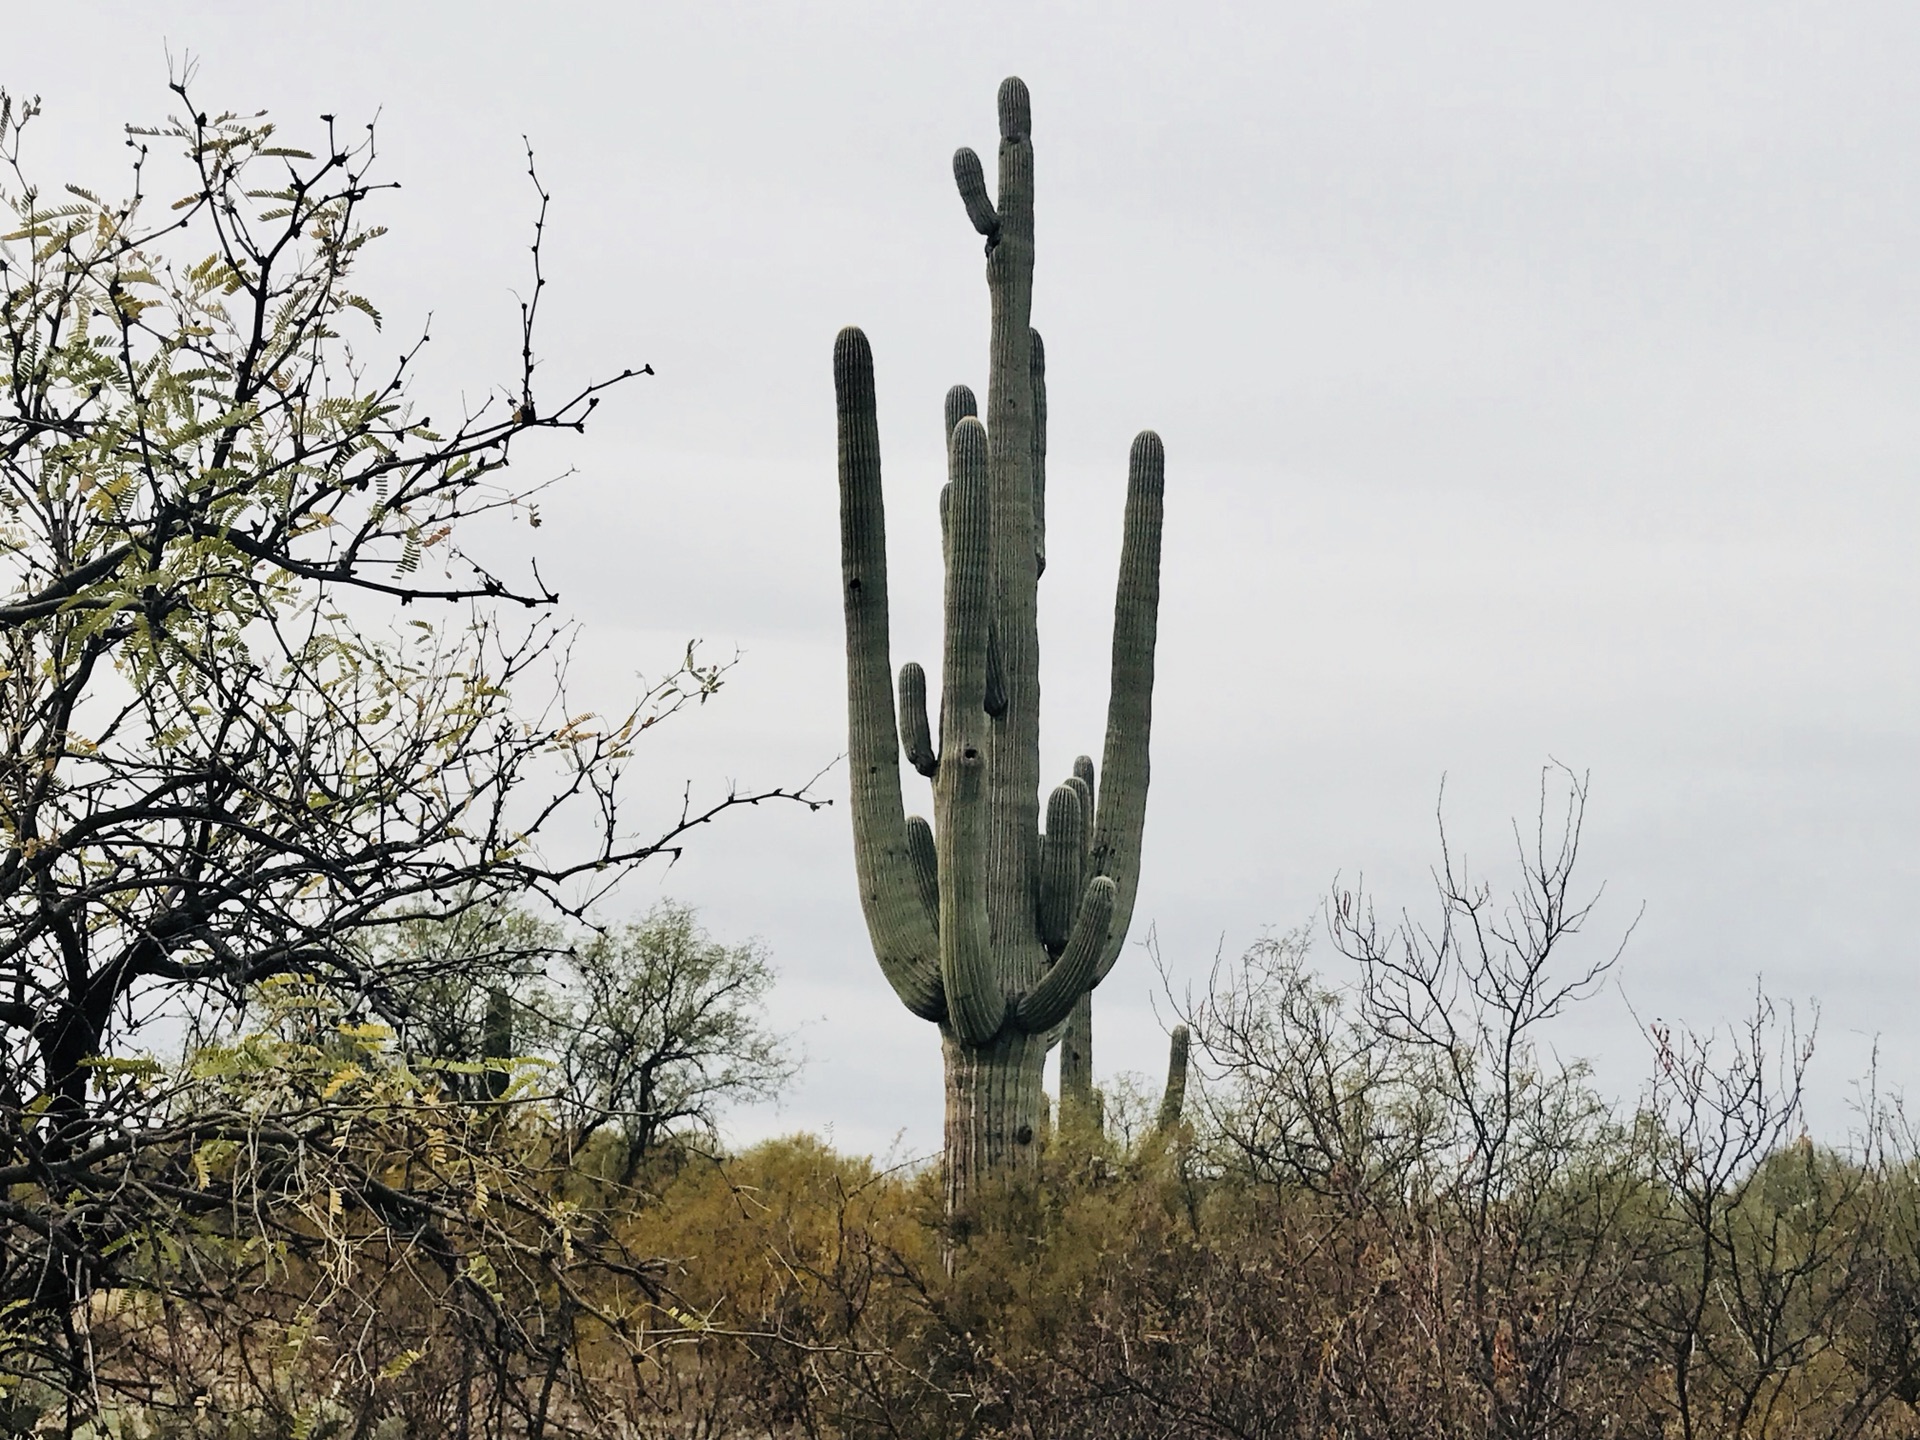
1062,849
926,862
976,1004
904,940
915,738
1136,610
1052,1000
1038,363
1174,1097
972,181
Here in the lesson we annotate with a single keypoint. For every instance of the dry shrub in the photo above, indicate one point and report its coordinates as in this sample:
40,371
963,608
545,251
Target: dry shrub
1390,1213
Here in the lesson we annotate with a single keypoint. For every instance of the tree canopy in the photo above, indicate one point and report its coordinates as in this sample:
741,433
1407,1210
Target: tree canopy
258,704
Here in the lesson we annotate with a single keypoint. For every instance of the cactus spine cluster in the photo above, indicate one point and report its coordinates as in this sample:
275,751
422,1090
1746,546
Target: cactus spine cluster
983,922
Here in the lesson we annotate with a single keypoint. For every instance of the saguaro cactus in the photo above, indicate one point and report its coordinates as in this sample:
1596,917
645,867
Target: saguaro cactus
1174,1097
981,922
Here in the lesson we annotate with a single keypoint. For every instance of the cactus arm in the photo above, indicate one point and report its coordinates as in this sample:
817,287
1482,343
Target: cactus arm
1081,794
926,862
916,739
960,403
1082,782
1039,368
976,1003
1061,851
1174,1097
1052,1000
904,940
972,181
1123,786
1076,1060
1076,1036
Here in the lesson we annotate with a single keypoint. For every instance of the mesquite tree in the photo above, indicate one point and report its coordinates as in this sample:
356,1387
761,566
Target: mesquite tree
982,923
224,761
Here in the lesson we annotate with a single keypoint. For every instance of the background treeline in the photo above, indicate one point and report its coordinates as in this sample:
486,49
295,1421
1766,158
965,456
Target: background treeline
1389,1212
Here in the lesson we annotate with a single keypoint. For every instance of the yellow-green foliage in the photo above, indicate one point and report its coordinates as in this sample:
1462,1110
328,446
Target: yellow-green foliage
759,1232
794,1290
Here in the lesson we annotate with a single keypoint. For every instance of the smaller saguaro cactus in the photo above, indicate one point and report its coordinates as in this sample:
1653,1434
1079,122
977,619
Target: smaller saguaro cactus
982,921
1174,1098
496,1042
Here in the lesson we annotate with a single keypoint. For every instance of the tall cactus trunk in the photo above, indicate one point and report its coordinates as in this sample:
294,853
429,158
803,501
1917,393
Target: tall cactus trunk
996,1108
981,922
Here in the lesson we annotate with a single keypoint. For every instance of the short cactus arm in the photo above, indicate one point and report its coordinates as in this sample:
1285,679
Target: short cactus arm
976,1005
1123,782
1082,782
972,180
960,404
1062,849
915,738
1052,1000
926,862
903,935
960,401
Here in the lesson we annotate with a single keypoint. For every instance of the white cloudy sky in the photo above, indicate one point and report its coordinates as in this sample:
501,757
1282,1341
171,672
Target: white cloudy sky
1537,381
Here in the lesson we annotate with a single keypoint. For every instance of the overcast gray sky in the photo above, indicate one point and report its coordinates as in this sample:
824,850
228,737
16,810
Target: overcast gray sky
1537,381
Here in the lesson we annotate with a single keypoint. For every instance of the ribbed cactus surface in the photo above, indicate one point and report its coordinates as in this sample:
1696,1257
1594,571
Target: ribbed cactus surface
983,921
